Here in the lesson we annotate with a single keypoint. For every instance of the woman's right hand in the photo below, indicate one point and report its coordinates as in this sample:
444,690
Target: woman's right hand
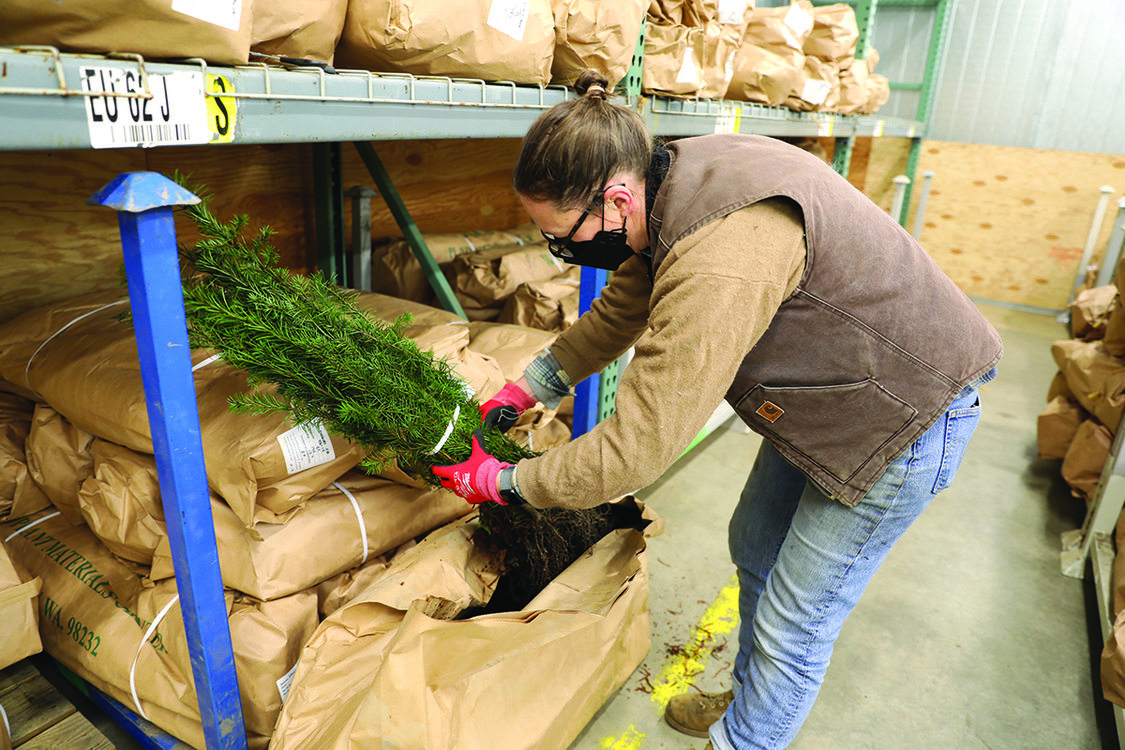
515,395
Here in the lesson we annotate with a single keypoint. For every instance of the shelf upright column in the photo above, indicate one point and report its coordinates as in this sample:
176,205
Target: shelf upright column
328,197
587,394
144,202
865,21
934,55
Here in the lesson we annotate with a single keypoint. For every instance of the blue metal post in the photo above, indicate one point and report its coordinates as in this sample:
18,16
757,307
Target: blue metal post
587,394
144,203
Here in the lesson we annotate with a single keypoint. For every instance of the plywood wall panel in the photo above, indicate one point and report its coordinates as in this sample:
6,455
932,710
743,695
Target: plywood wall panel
52,245
447,185
1007,224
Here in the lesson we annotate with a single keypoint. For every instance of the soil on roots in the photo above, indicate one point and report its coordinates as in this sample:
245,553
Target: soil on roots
538,545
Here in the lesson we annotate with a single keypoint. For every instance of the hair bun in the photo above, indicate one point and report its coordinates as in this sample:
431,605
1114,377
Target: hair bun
592,84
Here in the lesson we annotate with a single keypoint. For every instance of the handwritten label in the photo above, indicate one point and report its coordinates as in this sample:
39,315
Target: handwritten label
510,17
225,13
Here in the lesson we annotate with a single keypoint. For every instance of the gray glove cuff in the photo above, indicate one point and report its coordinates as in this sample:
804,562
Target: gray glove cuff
548,380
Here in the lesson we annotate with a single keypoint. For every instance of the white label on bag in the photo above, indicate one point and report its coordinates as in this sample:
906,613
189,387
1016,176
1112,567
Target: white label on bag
286,682
799,20
732,11
816,91
687,72
175,115
225,13
306,446
510,17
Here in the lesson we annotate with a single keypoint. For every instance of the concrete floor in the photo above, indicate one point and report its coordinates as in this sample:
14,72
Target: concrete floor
968,637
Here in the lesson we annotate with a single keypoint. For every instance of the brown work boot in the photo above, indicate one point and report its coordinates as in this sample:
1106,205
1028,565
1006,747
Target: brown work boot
694,713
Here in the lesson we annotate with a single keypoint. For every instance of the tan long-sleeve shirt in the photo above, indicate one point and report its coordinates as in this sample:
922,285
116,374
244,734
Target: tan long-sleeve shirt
713,297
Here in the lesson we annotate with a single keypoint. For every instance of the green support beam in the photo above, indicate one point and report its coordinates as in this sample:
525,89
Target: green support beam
934,55
408,228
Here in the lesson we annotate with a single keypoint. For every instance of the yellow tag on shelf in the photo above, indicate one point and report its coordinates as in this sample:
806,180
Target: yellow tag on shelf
221,110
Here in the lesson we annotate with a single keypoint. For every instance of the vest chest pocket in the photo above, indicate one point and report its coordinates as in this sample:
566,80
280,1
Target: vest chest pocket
837,427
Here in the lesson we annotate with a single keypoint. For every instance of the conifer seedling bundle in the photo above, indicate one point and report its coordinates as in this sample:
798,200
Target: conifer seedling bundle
362,379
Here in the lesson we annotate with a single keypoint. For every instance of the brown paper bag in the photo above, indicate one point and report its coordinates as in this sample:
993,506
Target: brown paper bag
95,612
1058,387
15,424
1113,663
83,362
338,590
1090,311
483,281
666,12
765,74
720,45
834,35
1096,379
1057,425
493,40
550,305
396,272
785,26
853,88
148,27
879,91
18,612
1115,330
1082,466
512,346
1119,566
354,519
818,87
298,29
59,461
392,669
673,60
598,35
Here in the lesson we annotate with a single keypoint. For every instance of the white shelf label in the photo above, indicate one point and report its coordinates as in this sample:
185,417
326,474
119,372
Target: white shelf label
306,446
225,13
510,17
729,118
175,115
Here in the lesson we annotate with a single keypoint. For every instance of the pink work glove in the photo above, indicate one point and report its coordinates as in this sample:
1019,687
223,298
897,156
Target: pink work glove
510,395
475,479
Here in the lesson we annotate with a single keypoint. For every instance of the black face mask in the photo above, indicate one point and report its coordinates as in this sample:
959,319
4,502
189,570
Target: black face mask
607,250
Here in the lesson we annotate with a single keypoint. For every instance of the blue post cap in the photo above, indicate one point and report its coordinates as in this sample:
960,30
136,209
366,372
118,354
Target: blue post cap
140,191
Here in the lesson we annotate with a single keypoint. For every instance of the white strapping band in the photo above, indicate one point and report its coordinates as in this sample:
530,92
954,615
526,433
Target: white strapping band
469,242
206,362
36,522
27,370
148,634
359,517
4,716
448,429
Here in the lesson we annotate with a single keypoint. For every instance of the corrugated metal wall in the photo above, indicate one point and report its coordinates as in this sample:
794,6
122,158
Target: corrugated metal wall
1034,73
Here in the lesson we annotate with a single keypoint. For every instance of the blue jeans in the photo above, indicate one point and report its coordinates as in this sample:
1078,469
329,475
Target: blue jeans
803,561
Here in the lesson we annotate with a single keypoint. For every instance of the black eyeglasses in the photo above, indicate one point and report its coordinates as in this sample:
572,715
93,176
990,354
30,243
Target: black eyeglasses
558,245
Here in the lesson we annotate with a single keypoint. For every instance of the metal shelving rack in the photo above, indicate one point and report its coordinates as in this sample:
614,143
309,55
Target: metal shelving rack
47,100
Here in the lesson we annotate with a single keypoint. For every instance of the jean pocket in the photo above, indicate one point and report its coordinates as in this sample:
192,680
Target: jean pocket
960,422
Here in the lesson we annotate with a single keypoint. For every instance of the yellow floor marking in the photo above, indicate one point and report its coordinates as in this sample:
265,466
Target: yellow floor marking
630,739
681,669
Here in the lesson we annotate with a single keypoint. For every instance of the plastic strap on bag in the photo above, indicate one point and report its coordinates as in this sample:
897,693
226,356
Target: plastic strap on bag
148,634
206,362
27,370
36,522
359,517
448,429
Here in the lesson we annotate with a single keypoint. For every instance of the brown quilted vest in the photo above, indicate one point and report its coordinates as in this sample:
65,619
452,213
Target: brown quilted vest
876,341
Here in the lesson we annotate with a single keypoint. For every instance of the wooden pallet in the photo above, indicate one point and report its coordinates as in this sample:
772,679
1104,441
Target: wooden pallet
40,716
